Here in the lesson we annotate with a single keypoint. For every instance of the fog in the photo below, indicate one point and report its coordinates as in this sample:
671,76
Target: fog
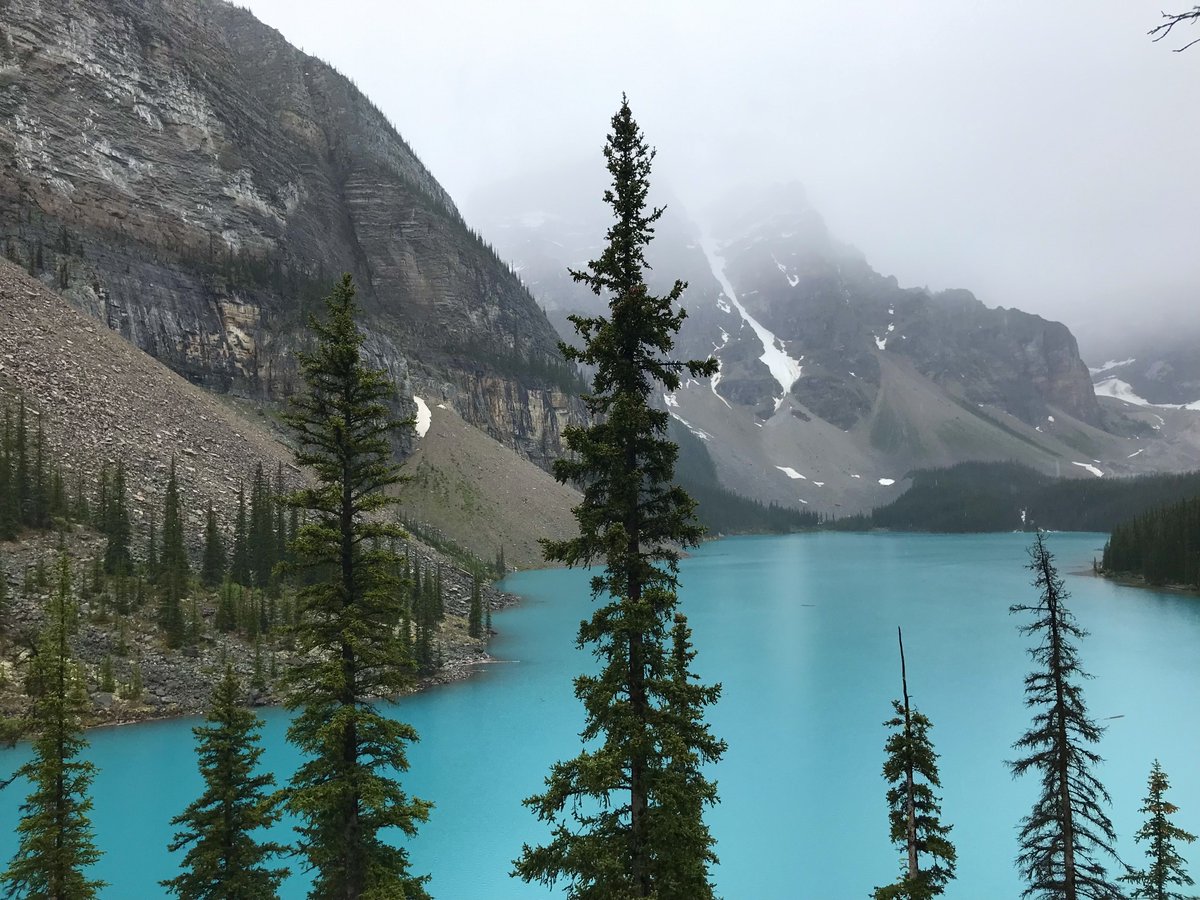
1042,155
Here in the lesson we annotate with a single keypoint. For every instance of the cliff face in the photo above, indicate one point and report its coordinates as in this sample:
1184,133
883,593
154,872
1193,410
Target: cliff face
180,172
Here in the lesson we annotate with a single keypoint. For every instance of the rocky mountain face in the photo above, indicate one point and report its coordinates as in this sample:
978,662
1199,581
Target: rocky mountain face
835,381
836,317
97,400
1159,373
182,174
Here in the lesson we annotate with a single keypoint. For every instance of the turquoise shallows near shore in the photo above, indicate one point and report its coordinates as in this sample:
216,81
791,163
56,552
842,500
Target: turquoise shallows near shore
801,630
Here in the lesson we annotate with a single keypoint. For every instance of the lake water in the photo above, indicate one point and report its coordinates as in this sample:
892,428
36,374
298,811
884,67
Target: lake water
801,630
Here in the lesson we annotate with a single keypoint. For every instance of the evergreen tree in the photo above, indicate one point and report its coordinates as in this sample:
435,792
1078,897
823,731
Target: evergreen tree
224,860
227,600
1166,866
5,611
1067,829
212,570
475,610
174,565
262,535
278,503
613,809
39,511
117,559
22,475
239,568
10,500
54,834
152,567
914,811
345,793
683,871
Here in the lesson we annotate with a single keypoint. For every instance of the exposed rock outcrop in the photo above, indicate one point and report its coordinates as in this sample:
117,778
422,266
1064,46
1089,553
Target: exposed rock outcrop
185,176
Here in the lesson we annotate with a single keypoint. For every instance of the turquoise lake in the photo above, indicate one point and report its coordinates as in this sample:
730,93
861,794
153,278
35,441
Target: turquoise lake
801,631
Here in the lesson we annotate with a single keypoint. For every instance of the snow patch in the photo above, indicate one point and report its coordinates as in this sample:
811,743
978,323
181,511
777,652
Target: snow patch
424,417
1089,468
802,500
716,379
790,472
783,368
1111,364
1050,419
1135,453
1122,390
881,343
670,400
852,475
703,435
887,482
819,483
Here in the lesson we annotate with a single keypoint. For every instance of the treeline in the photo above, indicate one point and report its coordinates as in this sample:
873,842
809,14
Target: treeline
979,496
32,492
719,509
249,577
1162,546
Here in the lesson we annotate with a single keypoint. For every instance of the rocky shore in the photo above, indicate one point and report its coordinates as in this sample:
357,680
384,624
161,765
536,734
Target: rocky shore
178,682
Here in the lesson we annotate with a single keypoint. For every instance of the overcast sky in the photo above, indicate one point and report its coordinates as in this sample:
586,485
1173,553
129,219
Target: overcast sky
1044,155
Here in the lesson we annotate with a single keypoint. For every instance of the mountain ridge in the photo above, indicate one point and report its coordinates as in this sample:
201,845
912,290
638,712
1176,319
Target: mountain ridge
181,173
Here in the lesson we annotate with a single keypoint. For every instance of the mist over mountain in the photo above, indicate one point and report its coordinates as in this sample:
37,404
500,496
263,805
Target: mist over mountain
835,380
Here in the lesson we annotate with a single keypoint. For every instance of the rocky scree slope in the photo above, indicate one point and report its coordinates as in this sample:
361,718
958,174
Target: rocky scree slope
185,176
100,400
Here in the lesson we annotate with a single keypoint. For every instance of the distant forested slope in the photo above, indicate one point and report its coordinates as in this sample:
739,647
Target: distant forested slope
1007,496
1162,545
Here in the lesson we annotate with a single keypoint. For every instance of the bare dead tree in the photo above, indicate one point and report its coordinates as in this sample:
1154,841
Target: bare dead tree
1170,20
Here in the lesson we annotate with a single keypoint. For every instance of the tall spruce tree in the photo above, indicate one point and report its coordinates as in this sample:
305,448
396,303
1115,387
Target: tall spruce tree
261,538
10,501
346,794
212,568
914,811
1067,832
117,558
173,566
614,809
1165,868
55,846
224,859
21,473
239,562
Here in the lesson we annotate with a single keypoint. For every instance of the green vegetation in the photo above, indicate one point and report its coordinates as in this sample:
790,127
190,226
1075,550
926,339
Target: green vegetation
914,811
1166,866
224,859
627,814
345,793
1162,546
977,496
1067,830
55,835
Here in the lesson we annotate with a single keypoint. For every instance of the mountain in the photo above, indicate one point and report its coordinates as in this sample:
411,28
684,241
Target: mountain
1160,373
835,382
181,173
